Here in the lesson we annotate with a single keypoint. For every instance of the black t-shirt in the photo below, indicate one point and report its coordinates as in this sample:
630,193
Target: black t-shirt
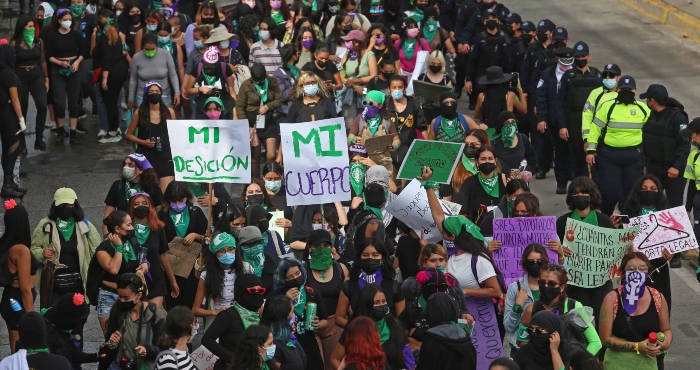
326,74
117,198
8,79
48,361
408,251
222,336
198,223
378,84
289,358
69,252
86,25
157,245
299,112
106,246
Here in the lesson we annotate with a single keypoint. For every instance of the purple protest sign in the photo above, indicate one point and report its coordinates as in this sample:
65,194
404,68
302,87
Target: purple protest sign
515,234
485,337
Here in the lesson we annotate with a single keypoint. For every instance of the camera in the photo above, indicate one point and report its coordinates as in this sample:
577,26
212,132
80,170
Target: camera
159,144
126,363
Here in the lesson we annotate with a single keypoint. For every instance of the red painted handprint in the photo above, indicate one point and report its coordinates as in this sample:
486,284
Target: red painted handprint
667,219
570,234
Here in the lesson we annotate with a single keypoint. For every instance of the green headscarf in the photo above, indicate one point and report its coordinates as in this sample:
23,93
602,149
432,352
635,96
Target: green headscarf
221,241
216,100
455,224
377,96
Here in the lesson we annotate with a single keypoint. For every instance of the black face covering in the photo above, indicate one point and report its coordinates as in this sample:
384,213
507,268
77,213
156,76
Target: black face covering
250,301
380,312
491,24
487,168
154,98
542,37
387,75
127,306
256,199
295,283
581,62
347,29
527,38
558,44
208,20
369,265
547,294
470,151
449,111
321,63
581,202
65,213
435,69
129,235
533,268
263,225
539,342
141,211
625,96
648,197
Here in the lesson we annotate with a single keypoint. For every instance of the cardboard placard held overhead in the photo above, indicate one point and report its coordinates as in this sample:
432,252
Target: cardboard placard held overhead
378,144
440,156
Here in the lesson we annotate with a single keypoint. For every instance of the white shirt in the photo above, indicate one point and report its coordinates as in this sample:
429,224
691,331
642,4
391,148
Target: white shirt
461,268
226,299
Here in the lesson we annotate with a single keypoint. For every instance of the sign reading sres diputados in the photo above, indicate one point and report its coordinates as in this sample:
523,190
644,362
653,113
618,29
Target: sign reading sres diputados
316,165
210,150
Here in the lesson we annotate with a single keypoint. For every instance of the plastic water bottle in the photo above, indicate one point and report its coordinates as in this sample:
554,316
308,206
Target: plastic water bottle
15,305
523,165
142,254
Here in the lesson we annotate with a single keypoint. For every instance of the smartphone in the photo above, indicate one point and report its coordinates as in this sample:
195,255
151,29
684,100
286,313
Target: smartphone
624,219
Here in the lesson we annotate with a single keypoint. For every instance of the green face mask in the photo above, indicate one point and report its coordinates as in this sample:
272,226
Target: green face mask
321,259
441,268
150,53
76,10
29,37
158,5
508,133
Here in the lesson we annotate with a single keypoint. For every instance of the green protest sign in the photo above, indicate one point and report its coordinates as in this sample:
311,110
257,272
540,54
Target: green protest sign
210,150
441,157
598,252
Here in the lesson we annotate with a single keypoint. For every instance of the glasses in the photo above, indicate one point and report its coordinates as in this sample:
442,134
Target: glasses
370,103
472,145
549,284
258,290
221,251
642,268
609,75
537,330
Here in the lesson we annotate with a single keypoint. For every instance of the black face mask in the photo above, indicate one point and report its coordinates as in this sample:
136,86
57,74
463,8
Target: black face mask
387,75
263,225
389,16
533,268
127,306
369,265
449,111
487,168
250,301
129,235
154,98
509,30
422,7
542,37
209,20
347,29
380,312
295,283
141,211
321,63
65,213
625,96
527,38
648,197
547,294
256,199
581,62
470,151
435,69
540,342
581,202
491,24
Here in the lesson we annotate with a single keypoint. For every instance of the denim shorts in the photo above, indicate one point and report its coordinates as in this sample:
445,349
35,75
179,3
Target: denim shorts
105,301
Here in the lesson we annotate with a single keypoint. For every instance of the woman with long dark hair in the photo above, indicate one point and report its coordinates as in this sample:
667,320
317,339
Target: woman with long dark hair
180,327
410,43
255,350
153,140
248,30
278,10
278,314
130,22
514,188
381,47
306,43
32,73
11,111
231,220
207,14
359,66
71,310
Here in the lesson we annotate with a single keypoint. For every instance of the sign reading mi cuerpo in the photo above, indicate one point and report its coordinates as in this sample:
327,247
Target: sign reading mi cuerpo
210,150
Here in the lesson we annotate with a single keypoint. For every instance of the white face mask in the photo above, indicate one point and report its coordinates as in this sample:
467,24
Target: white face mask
66,25
317,226
119,12
224,44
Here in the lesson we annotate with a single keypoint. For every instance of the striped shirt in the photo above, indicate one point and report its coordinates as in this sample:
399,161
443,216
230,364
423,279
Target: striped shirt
268,57
184,362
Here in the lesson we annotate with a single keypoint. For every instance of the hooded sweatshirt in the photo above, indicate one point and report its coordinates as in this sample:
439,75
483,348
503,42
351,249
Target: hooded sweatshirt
447,347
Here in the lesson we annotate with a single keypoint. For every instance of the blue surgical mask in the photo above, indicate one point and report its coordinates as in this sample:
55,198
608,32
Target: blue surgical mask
151,28
163,39
609,83
397,94
224,44
227,258
273,185
269,353
311,90
198,44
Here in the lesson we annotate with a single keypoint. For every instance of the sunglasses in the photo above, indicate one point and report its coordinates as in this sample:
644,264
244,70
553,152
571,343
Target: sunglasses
548,284
609,75
254,290
537,330
370,103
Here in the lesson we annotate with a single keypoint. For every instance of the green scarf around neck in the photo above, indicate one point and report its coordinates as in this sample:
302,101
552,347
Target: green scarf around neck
141,231
181,221
449,126
373,123
300,302
247,317
490,186
383,330
409,48
126,250
591,219
262,90
469,165
65,227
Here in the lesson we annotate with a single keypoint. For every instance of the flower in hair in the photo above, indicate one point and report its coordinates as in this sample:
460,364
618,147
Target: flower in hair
3,41
78,299
422,277
10,204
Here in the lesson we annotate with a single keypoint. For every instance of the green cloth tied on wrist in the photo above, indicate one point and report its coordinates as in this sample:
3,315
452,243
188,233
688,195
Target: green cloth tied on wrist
428,184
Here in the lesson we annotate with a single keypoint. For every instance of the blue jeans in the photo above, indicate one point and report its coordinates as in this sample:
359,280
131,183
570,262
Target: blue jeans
105,301
102,122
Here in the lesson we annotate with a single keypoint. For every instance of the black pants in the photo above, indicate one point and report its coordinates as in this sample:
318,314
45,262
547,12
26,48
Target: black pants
118,74
63,86
620,168
675,188
33,81
578,156
562,158
543,143
86,88
460,71
10,141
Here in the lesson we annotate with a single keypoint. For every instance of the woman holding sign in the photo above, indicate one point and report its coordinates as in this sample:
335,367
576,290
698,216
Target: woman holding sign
514,188
484,190
371,124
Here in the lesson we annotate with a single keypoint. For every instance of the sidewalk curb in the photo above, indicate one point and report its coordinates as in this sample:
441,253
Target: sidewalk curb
658,10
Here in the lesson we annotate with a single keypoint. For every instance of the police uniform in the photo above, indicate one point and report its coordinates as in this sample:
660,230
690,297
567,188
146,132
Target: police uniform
596,98
692,173
616,138
575,88
487,50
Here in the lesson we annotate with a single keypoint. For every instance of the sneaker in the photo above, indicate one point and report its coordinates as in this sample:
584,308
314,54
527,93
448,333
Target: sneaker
51,125
101,134
80,128
109,138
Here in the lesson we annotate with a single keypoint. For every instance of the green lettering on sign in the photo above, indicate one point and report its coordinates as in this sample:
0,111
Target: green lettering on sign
315,137
331,139
203,131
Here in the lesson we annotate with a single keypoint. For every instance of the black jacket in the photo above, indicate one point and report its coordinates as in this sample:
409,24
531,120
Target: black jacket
447,347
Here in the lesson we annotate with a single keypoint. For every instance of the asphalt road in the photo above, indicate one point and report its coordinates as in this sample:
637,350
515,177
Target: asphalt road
615,34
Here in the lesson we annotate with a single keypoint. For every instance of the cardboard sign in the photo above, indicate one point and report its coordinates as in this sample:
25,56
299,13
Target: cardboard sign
316,162
203,358
670,229
378,144
597,252
210,150
515,234
441,157
429,93
485,335
182,256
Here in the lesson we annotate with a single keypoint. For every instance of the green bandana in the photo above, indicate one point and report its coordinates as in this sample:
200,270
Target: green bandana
76,10
264,366
142,232
383,330
409,47
422,303
293,69
248,317
255,255
210,80
357,177
28,36
130,191
468,164
263,91
300,302
277,16
126,250
168,46
197,189
646,211
455,224
181,221
490,185
314,6
321,259
449,126
430,29
373,123
32,351
65,227
418,15
509,206
508,133
591,219
157,4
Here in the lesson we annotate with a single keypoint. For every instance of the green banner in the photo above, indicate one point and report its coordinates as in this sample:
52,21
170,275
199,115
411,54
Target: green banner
598,252
441,157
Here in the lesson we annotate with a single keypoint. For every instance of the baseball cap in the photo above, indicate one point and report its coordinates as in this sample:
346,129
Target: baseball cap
560,34
316,237
249,234
527,26
513,18
612,68
581,49
545,25
656,92
626,82
64,196
490,12
354,35
692,127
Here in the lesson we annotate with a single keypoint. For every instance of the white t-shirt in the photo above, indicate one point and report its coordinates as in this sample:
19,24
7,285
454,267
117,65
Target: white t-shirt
461,268
226,299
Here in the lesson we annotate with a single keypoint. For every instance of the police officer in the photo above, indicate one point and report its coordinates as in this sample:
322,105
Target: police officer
489,49
476,23
611,75
692,173
560,37
547,120
523,35
537,56
615,143
576,85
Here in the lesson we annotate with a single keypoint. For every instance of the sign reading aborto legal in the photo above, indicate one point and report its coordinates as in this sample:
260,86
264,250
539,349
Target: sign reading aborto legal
210,150
316,165
440,156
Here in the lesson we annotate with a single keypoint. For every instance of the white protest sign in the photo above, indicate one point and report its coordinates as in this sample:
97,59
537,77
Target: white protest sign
273,222
203,358
210,150
316,165
670,229
411,207
420,65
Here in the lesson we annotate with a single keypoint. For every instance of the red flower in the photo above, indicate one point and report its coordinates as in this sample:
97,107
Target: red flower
11,203
78,299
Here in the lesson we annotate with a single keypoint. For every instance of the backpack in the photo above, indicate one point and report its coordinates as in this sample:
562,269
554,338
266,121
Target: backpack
162,354
223,72
499,275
